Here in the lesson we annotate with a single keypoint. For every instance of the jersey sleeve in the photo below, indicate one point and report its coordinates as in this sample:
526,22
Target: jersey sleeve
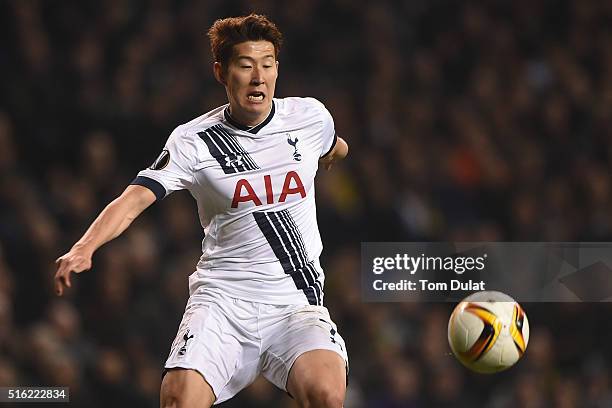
328,133
173,168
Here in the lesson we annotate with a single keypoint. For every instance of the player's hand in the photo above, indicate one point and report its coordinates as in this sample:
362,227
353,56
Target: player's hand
339,152
75,261
327,161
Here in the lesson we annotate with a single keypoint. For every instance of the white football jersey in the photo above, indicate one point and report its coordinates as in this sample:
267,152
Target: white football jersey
256,199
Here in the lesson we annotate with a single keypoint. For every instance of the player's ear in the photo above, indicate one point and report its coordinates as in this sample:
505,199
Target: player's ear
219,74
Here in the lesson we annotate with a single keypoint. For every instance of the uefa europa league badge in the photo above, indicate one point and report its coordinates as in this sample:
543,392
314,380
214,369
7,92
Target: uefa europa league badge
162,160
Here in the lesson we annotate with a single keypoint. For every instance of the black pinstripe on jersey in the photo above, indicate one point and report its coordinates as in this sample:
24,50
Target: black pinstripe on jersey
224,147
286,242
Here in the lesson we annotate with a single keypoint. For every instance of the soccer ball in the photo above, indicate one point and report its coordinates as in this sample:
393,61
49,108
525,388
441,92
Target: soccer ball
488,332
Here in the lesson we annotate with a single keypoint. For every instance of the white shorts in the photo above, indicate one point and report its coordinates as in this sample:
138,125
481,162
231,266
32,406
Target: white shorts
231,341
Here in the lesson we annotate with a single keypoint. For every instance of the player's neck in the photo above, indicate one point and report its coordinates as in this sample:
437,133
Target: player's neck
245,121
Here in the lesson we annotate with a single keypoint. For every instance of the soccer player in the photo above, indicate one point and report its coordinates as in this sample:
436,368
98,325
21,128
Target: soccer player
256,296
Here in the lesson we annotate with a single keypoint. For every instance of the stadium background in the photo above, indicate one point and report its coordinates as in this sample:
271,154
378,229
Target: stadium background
466,121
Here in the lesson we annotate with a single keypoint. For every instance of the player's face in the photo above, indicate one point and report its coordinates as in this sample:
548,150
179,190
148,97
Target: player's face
250,80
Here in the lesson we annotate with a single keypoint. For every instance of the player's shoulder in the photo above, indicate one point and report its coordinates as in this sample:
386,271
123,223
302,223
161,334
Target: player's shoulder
190,130
293,104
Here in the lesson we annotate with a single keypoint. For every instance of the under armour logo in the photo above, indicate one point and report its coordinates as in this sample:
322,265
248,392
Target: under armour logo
296,155
236,160
186,337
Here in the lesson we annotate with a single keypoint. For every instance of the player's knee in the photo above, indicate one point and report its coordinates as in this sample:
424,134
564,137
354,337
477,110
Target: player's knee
170,394
170,397
183,388
325,395
173,397
169,402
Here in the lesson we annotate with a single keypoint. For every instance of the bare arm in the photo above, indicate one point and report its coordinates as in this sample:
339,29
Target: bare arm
111,222
339,152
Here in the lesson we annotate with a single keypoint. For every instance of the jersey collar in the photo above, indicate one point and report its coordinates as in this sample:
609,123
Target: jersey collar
250,129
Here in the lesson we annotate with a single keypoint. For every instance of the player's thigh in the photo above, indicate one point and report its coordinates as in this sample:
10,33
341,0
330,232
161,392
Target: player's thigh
318,376
184,388
307,334
215,339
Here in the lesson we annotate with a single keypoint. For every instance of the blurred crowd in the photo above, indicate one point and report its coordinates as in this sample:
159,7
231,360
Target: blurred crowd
467,121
